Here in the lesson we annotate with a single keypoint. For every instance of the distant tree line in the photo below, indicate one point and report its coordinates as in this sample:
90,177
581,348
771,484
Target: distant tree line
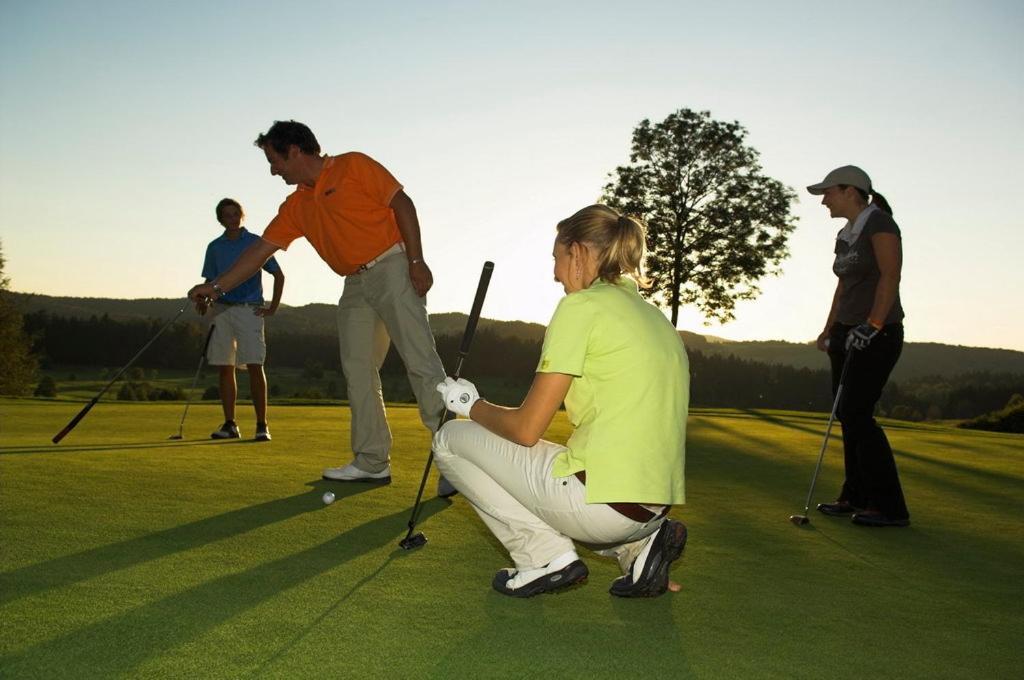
1010,418
102,341
17,364
504,367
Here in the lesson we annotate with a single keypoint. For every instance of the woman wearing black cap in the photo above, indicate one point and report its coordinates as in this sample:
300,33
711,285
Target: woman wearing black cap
865,319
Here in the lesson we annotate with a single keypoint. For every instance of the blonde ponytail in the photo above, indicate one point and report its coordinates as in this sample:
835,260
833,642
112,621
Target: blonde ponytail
619,242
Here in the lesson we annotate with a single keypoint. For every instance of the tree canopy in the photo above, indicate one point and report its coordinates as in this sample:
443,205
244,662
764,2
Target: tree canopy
715,223
17,365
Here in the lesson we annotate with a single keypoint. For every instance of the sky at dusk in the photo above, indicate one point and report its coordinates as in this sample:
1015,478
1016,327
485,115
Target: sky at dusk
122,125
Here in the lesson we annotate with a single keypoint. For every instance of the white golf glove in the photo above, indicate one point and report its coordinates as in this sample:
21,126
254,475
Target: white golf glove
459,396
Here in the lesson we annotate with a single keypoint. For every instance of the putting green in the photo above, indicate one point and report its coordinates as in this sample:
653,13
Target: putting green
125,554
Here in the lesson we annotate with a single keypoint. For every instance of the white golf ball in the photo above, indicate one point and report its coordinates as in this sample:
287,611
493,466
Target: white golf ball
328,498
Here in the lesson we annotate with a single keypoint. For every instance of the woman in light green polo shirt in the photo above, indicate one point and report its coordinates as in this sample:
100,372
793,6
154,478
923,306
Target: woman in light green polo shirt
622,372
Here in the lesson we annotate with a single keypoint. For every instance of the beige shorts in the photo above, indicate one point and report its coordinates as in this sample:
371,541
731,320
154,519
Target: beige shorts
237,336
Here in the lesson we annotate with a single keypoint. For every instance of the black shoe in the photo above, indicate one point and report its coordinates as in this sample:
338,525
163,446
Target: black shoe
227,431
837,509
445,489
666,547
566,577
877,519
262,432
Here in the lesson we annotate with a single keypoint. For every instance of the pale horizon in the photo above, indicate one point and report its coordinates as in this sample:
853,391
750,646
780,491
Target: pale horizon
122,126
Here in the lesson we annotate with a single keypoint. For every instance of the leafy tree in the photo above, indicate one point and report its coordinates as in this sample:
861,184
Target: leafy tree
129,392
17,364
47,387
715,223
1008,419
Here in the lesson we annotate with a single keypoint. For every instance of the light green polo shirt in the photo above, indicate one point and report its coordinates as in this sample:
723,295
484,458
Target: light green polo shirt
629,396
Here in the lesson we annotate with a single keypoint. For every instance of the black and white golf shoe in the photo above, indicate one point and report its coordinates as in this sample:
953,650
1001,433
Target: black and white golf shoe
550,579
227,431
648,576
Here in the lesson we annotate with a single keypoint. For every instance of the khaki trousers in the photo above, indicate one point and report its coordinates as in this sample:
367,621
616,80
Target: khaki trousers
377,307
534,515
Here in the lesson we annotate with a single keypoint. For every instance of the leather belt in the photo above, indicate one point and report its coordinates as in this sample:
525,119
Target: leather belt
633,511
393,250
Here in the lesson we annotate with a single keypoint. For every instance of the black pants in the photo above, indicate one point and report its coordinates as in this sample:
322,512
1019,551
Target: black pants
872,482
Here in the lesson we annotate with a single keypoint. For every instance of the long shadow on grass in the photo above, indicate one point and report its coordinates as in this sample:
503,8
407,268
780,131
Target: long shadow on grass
965,469
758,465
158,627
64,571
315,623
7,451
787,422
762,474
541,638
995,451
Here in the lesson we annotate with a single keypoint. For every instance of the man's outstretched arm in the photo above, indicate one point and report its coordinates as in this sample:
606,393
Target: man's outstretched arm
247,264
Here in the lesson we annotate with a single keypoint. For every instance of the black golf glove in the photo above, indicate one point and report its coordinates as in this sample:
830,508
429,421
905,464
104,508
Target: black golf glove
861,336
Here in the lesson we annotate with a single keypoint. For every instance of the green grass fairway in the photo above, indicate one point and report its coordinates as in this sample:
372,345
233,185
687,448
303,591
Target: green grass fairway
123,554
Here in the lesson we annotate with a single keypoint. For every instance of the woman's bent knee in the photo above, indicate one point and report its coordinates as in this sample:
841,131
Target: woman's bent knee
451,438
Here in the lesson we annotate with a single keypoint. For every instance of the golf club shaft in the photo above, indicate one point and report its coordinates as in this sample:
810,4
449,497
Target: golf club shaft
446,415
195,378
828,430
81,414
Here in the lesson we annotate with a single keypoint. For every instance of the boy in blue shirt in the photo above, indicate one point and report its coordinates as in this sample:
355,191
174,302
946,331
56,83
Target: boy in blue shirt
238,321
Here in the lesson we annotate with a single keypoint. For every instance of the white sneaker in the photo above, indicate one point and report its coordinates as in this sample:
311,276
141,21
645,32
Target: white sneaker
350,473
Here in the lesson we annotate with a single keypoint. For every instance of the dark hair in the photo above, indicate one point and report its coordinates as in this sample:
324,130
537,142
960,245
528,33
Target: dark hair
879,200
876,198
285,133
225,202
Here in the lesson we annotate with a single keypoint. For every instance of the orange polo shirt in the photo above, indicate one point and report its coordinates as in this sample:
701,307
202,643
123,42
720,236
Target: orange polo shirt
346,216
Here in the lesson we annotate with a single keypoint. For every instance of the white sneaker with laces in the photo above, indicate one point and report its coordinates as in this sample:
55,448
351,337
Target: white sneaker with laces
350,473
262,433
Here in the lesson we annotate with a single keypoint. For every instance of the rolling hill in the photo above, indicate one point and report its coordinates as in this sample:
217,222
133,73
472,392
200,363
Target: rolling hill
918,360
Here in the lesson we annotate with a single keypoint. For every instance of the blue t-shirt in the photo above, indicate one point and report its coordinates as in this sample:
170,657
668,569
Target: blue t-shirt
222,253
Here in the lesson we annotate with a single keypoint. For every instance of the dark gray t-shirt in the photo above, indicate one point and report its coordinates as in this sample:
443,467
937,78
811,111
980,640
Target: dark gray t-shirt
857,269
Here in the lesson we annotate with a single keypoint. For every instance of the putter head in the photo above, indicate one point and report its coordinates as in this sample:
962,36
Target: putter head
799,520
413,542
175,436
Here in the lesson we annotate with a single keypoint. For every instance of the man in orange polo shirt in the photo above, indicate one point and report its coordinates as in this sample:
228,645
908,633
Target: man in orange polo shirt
356,215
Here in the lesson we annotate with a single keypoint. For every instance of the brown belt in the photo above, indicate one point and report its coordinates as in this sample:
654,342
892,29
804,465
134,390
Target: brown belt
633,511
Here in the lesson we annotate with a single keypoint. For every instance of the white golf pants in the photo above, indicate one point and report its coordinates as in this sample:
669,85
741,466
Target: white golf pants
534,515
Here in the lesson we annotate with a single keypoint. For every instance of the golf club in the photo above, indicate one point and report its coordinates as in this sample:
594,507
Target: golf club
195,379
81,414
800,520
410,541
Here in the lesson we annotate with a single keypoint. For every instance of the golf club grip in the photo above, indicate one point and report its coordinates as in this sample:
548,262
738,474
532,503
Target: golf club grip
478,303
74,421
